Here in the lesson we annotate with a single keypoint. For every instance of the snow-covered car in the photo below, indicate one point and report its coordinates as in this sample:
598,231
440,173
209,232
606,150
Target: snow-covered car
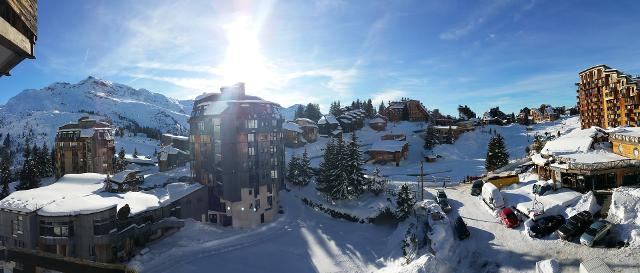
509,218
460,227
546,225
491,196
575,226
476,187
442,200
595,232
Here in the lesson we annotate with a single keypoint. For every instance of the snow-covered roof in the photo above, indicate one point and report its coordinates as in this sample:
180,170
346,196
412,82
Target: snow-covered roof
453,127
573,142
377,120
388,145
328,119
169,149
305,122
630,134
77,194
119,177
290,126
184,138
594,156
140,160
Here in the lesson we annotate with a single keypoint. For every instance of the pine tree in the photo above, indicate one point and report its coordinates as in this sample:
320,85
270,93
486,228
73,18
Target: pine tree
5,173
326,173
335,109
404,203
120,163
28,175
342,187
353,168
299,112
293,170
381,108
135,152
430,138
53,162
377,184
497,156
305,173
450,135
312,112
44,161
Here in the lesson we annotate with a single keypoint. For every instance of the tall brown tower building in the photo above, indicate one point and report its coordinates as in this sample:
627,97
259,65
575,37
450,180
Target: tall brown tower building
607,97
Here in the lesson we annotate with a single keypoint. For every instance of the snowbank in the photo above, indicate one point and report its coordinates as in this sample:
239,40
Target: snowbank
548,266
573,142
587,202
625,213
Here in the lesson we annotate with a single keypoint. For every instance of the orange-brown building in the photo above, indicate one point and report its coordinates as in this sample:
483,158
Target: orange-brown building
607,97
84,147
406,109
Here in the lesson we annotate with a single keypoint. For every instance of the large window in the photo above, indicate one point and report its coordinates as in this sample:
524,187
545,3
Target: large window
251,124
252,151
18,224
274,174
56,229
251,137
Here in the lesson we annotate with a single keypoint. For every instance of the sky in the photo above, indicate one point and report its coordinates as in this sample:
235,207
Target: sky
507,53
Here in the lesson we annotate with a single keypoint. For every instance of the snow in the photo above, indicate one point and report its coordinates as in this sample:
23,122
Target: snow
575,141
388,145
548,266
594,156
214,107
328,119
77,194
290,126
587,202
377,120
624,211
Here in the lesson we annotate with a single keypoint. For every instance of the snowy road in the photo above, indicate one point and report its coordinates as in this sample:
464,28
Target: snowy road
301,241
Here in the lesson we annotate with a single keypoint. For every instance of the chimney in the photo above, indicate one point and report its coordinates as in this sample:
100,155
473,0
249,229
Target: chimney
236,90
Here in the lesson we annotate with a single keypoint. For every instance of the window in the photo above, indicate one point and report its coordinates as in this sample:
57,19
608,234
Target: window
257,204
216,128
103,226
56,229
269,201
251,137
252,151
92,250
270,188
201,127
17,225
274,174
251,124
273,149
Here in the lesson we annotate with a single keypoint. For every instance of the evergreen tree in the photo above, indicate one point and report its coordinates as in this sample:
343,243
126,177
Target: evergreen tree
538,144
430,138
381,108
325,182
299,112
497,156
52,157
28,174
5,173
135,152
377,184
305,173
44,161
312,112
293,170
342,189
450,135
353,167
335,109
404,203
120,163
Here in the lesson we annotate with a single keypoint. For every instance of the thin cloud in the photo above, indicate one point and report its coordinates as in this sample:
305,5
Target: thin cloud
388,95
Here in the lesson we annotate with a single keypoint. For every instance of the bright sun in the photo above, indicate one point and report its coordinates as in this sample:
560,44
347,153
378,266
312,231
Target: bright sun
243,61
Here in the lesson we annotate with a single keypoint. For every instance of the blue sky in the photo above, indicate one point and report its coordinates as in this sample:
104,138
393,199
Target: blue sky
481,53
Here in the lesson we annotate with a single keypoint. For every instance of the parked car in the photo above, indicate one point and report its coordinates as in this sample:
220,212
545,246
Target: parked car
443,201
546,225
575,226
476,187
509,218
541,189
595,232
491,196
460,227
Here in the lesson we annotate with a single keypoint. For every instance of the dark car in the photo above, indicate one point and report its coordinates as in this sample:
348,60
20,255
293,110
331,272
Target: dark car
546,225
461,229
476,187
443,201
575,226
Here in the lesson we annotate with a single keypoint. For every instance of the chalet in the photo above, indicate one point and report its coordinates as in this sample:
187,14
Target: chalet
406,110
328,125
447,134
378,123
399,137
170,157
309,129
85,146
388,150
583,160
179,142
347,123
18,29
293,135
124,181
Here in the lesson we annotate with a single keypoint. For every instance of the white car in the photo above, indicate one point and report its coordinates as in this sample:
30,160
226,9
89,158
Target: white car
595,232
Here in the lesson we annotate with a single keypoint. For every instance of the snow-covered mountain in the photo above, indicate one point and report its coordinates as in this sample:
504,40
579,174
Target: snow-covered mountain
42,111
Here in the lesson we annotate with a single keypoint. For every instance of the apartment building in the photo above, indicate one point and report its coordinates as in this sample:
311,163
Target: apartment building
406,109
84,147
18,28
237,151
607,97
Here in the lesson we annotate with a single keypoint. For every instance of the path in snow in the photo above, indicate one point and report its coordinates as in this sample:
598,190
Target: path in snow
302,240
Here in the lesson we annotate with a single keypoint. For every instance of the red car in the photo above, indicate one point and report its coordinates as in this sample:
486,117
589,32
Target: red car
509,218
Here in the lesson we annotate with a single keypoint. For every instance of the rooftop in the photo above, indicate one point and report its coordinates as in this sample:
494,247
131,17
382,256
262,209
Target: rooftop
388,145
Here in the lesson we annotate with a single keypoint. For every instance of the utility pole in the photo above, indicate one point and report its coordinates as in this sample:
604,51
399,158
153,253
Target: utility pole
422,179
